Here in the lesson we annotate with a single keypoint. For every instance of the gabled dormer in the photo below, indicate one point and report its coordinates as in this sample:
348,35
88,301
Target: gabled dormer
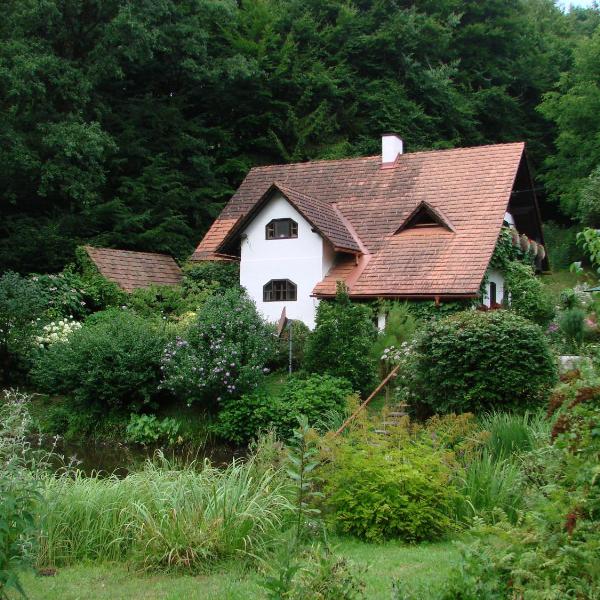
425,215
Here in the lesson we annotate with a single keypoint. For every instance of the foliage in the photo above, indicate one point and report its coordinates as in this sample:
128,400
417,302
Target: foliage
165,516
427,310
148,429
481,360
225,352
317,573
112,362
220,274
19,490
506,252
561,244
241,419
572,326
300,335
551,552
570,176
342,340
509,433
20,307
169,300
528,295
400,327
489,487
134,136
380,492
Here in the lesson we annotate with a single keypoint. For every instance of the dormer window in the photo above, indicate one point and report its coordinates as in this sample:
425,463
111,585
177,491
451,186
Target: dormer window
279,290
281,229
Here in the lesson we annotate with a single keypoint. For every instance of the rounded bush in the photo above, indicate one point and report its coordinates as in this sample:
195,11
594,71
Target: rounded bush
113,361
481,360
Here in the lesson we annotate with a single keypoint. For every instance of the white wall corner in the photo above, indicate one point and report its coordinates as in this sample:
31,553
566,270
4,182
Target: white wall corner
391,147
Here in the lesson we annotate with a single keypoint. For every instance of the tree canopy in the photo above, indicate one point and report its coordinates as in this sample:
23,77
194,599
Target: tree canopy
129,124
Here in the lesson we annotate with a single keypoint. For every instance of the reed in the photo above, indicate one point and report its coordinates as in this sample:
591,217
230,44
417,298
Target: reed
165,516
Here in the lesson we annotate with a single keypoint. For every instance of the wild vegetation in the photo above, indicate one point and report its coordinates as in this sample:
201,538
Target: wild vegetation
129,125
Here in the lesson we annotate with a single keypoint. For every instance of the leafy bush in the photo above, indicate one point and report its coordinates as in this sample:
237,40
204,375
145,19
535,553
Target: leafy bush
572,326
225,352
148,429
300,335
400,327
243,418
380,492
342,341
112,362
20,308
222,274
169,300
479,360
528,295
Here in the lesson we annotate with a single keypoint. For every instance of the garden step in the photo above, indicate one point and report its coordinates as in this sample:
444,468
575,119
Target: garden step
391,423
381,432
397,414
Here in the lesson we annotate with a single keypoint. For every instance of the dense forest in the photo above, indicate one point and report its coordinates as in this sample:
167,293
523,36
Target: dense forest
129,123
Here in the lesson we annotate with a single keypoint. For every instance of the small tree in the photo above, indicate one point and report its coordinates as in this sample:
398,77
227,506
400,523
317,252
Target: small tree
342,342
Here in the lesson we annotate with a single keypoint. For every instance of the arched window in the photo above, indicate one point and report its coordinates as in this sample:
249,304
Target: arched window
281,229
278,290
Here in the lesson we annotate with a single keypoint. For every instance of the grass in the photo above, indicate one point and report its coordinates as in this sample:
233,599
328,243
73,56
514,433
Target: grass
164,516
424,567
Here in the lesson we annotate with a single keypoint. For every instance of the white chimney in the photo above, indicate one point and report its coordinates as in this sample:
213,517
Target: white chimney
391,146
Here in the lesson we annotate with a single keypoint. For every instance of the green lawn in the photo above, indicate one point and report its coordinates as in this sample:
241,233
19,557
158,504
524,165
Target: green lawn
424,567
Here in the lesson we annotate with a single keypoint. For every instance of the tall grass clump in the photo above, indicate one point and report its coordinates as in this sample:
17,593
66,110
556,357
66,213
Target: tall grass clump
165,516
510,433
489,485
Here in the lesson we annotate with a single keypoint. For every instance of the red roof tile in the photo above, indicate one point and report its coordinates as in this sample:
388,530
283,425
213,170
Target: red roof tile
132,270
469,187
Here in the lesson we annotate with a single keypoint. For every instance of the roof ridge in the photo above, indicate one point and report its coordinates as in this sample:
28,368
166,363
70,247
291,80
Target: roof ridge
122,250
378,156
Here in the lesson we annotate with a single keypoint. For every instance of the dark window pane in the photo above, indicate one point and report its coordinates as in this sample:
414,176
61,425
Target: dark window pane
278,290
281,229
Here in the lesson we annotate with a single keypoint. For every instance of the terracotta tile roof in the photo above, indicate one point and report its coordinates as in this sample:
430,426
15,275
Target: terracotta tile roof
132,270
470,187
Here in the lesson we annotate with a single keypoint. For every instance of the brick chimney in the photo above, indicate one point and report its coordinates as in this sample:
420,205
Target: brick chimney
391,147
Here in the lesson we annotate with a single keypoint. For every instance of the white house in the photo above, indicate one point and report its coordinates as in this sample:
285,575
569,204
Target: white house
416,226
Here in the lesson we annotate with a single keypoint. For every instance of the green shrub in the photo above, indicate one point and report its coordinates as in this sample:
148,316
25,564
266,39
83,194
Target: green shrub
528,295
300,335
572,326
225,352
21,306
241,419
481,360
169,300
379,492
222,274
561,244
148,429
342,341
112,362
400,327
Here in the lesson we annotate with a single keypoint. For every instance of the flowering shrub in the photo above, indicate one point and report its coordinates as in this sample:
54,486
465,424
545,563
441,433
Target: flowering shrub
225,354
112,361
57,331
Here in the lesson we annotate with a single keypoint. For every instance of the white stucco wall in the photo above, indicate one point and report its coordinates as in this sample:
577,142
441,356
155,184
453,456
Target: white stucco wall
493,275
304,260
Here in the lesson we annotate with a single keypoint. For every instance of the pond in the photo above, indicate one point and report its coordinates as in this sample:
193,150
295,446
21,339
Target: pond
121,458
